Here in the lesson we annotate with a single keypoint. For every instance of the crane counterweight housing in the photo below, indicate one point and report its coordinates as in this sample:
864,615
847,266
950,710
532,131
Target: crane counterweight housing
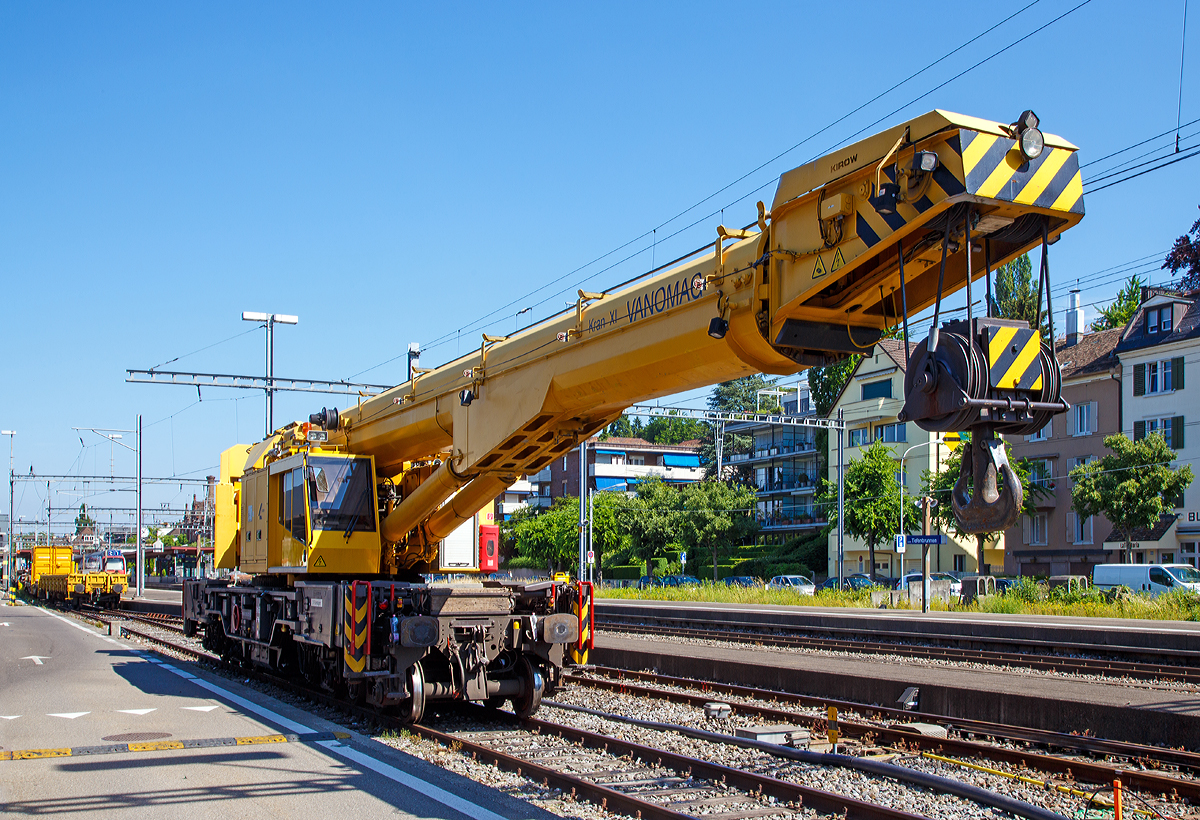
339,521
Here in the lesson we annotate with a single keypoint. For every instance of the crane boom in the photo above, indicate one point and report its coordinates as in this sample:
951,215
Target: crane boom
339,518
815,280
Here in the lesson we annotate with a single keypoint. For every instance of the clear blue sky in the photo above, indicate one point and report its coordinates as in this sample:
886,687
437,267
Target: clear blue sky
391,173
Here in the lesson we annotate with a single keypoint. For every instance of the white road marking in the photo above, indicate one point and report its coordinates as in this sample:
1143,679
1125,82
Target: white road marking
137,711
9,717
5,623
67,715
36,659
447,799
200,708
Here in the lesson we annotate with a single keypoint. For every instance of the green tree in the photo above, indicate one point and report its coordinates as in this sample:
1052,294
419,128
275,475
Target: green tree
717,516
1121,309
939,485
1185,256
652,520
673,429
551,536
608,532
83,519
622,427
1016,295
1131,486
873,507
736,396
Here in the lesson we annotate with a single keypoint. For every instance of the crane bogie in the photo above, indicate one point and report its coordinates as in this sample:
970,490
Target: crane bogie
360,503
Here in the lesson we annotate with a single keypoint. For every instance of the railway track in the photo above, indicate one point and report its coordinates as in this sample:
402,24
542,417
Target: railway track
617,775
786,637
896,735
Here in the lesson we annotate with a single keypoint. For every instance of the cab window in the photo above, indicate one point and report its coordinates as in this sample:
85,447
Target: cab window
1160,577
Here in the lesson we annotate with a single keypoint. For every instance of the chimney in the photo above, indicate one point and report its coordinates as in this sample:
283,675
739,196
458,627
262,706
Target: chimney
1074,319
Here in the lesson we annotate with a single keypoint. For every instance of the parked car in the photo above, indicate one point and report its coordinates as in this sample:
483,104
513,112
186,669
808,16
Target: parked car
851,582
682,580
955,584
797,583
1152,578
647,581
1003,585
743,581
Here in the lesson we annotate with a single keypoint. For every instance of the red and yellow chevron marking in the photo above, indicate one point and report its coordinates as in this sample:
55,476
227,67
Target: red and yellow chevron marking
356,626
581,605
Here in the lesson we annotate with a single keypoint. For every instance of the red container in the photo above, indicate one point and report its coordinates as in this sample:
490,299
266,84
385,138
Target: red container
489,548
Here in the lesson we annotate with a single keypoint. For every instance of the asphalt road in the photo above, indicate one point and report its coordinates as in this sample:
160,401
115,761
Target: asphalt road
65,686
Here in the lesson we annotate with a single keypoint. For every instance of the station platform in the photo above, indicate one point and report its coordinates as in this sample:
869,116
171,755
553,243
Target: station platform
975,627
1132,712
94,726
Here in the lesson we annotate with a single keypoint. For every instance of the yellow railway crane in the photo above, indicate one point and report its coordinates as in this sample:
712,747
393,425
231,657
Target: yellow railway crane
337,518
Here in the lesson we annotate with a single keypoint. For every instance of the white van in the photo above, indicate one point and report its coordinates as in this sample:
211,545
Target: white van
1154,579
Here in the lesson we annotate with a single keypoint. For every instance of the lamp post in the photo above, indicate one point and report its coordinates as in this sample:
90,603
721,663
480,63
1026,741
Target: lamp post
269,321
8,545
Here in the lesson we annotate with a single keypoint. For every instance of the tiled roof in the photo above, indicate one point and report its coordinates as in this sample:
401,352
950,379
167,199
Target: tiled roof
895,349
1135,336
1093,353
640,443
1155,533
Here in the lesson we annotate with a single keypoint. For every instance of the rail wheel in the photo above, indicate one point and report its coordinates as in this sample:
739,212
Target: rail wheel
530,698
412,710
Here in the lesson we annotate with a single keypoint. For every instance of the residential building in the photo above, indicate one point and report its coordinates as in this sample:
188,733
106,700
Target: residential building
518,496
1054,540
871,401
1158,352
620,463
783,466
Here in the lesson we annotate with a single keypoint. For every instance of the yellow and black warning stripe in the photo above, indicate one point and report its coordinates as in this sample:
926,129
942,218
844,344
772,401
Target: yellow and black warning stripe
356,611
1014,358
984,165
170,745
995,168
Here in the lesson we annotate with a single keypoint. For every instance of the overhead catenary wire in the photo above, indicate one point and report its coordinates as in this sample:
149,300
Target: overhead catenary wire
653,233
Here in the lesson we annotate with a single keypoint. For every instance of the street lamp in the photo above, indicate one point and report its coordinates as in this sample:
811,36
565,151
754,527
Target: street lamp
269,321
8,547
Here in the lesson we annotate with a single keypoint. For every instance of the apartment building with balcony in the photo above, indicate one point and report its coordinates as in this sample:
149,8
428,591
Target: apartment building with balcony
871,401
619,464
1054,540
1158,352
783,467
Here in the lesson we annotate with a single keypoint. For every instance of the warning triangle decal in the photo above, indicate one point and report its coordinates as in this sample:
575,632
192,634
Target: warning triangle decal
320,562
819,270
838,261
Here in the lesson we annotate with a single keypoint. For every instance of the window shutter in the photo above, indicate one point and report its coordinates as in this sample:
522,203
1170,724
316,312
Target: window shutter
1139,380
1094,417
1087,529
1139,430
1024,529
1177,433
1071,420
1177,372
1070,527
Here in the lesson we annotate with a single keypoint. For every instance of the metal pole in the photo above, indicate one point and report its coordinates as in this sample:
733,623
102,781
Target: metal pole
9,563
720,442
582,509
841,482
270,374
925,527
141,553
591,514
